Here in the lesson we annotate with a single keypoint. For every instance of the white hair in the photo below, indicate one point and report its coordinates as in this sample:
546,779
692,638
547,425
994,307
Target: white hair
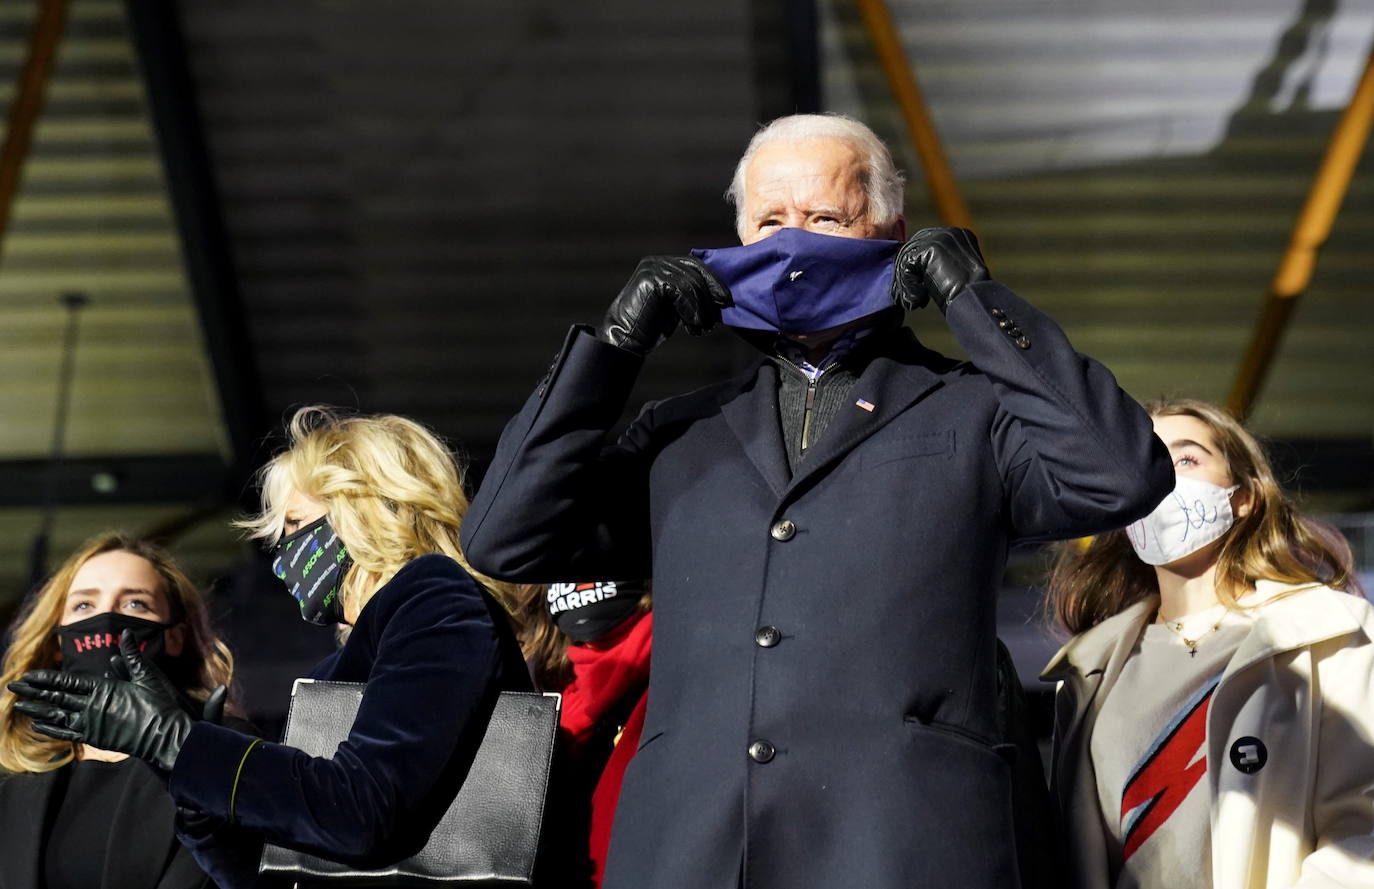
883,182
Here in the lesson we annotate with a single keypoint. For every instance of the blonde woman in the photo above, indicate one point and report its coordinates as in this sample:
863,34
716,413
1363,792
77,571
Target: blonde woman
70,813
1215,719
363,515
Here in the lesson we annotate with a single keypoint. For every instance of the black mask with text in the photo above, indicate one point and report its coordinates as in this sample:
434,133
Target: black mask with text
87,645
587,611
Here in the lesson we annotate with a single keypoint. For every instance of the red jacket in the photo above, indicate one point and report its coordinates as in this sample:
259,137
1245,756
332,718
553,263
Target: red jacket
608,690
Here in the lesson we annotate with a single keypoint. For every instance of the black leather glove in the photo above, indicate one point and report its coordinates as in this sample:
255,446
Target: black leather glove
210,710
142,716
663,291
935,264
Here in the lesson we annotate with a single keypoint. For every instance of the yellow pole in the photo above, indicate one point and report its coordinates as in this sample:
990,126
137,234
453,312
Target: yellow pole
28,101
944,191
1309,234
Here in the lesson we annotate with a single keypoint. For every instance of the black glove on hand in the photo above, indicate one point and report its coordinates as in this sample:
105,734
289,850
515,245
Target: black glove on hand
663,291
142,717
936,263
210,710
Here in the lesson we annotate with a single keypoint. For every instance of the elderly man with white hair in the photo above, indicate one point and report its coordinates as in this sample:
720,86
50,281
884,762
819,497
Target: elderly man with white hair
826,531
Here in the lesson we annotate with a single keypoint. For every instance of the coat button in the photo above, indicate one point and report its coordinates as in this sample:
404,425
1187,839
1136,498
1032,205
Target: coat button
767,637
997,313
1022,342
784,530
762,751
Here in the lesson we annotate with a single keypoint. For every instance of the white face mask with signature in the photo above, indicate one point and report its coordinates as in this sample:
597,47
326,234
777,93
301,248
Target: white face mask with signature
1194,515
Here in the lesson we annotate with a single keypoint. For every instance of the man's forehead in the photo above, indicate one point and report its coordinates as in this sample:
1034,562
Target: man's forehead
821,153
779,168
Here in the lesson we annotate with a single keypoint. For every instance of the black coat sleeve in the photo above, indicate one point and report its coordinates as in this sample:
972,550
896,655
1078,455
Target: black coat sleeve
439,667
558,503
1077,455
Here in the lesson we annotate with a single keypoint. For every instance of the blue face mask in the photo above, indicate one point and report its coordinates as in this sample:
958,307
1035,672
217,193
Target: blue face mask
797,282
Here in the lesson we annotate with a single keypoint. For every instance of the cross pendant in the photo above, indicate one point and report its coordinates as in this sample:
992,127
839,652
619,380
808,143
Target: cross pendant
1192,652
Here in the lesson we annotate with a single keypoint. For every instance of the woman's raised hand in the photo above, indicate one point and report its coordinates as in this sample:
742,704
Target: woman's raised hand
142,716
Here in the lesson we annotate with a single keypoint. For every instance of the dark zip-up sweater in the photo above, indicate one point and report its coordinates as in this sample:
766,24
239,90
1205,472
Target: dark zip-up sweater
807,404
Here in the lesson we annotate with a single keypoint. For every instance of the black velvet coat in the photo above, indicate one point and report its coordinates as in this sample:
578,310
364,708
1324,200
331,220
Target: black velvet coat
435,651
822,698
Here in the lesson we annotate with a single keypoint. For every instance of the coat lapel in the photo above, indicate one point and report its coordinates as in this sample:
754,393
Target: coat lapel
1291,621
751,411
146,814
1089,664
24,803
889,385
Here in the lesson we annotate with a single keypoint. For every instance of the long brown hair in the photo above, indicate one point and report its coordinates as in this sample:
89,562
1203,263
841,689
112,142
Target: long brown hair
34,646
1272,542
544,646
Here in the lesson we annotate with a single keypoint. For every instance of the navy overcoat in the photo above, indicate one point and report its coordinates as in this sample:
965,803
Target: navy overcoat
435,650
821,703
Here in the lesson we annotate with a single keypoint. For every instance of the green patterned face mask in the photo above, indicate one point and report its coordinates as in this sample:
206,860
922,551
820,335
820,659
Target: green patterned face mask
312,563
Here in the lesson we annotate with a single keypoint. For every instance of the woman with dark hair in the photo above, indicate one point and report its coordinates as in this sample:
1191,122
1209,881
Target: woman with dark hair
590,642
72,814
1216,706
362,513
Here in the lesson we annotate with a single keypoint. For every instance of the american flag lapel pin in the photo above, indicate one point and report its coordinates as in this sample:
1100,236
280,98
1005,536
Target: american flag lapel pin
866,405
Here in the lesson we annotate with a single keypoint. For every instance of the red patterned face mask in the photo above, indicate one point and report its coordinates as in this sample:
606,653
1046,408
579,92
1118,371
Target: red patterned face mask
87,645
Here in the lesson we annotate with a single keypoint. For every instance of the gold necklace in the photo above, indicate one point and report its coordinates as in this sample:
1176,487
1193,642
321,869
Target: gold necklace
1176,627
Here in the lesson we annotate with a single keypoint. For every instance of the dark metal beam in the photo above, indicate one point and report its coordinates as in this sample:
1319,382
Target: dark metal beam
161,51
1314,466
786,53
87,481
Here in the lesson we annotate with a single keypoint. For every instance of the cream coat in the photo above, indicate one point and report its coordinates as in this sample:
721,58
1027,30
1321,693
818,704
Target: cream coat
1302,682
